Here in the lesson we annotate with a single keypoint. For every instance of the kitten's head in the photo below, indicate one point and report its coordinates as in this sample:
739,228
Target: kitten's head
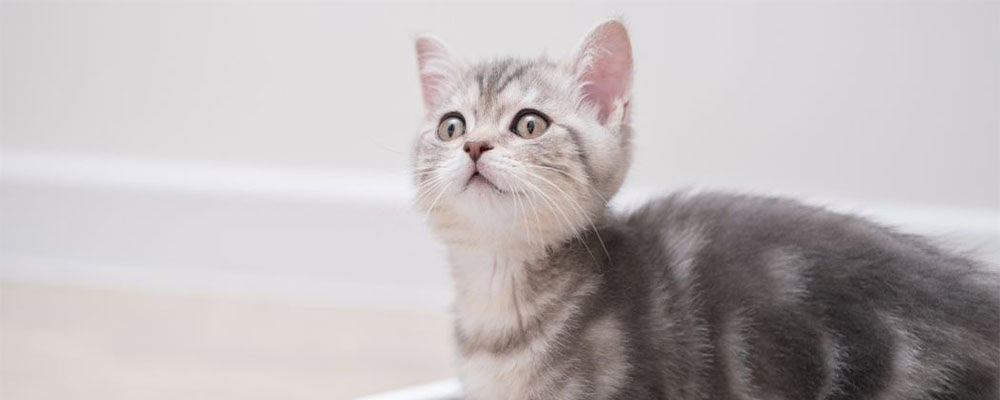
523,150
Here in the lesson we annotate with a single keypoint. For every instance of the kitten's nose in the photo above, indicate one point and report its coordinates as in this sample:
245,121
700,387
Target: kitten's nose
476,149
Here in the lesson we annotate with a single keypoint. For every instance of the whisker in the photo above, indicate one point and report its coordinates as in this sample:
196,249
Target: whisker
520,205
428,189
579,209
433,203
569,225
568,175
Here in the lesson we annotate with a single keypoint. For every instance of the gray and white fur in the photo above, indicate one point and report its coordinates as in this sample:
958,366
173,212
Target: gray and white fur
693,296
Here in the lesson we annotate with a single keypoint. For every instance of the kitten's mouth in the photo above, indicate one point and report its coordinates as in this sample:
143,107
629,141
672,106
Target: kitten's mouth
480,179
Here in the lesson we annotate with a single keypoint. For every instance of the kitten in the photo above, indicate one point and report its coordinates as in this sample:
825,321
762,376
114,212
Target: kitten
708,296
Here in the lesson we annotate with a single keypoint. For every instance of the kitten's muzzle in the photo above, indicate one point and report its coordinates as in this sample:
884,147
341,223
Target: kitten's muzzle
476,149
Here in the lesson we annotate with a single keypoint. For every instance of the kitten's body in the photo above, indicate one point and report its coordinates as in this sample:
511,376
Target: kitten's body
691,297
729,297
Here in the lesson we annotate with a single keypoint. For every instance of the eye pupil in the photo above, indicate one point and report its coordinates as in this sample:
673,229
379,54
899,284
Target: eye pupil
529,124
451,126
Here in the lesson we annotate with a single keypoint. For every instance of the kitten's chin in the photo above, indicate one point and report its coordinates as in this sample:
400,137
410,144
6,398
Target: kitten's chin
485,212
484,195
481,199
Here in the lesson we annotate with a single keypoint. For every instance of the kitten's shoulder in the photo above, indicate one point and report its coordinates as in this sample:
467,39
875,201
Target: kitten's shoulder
708,208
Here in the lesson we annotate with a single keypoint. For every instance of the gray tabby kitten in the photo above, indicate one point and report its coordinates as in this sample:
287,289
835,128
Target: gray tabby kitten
708,296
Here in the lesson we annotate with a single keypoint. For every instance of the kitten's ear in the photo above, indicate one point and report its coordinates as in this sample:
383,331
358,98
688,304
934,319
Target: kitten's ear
438,69
603,67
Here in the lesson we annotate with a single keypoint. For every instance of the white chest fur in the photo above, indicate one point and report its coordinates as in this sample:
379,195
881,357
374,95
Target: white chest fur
496,304
492,304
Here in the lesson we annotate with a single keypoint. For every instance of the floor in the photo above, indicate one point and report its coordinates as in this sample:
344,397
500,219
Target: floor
61,342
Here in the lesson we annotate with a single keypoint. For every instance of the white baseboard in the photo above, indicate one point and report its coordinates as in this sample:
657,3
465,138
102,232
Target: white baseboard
334,236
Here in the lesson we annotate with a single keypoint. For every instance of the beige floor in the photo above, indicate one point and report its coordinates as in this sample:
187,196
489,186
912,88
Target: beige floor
65,342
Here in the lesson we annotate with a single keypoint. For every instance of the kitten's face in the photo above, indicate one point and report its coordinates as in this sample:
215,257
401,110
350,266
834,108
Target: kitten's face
516,150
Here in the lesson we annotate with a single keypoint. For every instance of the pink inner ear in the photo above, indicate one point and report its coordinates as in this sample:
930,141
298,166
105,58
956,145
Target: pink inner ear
435,65
607,73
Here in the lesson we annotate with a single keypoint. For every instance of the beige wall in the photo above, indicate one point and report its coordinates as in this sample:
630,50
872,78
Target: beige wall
874,101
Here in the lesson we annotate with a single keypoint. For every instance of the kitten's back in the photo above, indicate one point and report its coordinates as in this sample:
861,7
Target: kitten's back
806,303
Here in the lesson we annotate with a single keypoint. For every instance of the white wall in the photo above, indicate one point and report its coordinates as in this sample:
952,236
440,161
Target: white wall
115,113
871,100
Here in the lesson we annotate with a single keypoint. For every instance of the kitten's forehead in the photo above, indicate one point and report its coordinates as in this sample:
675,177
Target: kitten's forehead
493,77
495,87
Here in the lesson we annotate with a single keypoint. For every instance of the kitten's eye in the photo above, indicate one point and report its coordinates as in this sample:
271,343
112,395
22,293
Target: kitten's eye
452,126
530,124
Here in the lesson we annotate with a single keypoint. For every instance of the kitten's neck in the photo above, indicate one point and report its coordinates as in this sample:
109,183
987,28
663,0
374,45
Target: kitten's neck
517,238
490,280
505,292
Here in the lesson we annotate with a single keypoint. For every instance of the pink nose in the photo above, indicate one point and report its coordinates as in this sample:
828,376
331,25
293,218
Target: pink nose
476,149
